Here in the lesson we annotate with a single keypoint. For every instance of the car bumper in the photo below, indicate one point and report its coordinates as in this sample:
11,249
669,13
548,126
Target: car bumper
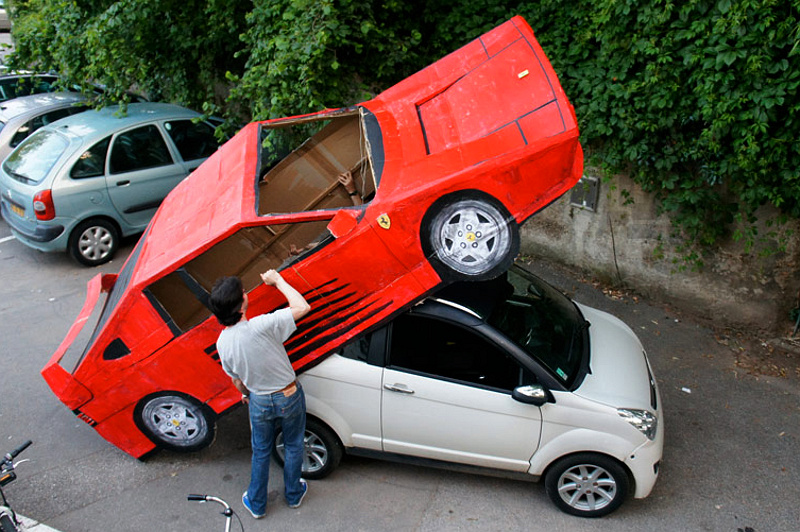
644,462
38,236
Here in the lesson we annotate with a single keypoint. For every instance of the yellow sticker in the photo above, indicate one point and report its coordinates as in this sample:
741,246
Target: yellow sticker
384,221
176,423
470,237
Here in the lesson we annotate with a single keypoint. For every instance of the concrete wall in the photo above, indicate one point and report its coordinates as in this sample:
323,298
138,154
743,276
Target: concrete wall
627,243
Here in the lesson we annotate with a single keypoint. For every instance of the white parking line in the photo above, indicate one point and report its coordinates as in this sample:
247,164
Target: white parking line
6,239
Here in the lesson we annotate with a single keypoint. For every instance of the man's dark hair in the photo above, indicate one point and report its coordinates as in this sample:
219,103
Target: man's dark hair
226,300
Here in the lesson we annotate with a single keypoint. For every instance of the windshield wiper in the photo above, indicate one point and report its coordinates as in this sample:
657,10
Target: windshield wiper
22,178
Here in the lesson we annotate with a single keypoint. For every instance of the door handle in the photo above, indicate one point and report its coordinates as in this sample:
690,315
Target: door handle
401,388
123,183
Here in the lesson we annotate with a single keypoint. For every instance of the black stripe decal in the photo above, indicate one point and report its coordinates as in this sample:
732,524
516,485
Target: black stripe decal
308,348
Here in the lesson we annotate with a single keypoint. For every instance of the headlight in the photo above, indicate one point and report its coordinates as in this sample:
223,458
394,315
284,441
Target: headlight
645,421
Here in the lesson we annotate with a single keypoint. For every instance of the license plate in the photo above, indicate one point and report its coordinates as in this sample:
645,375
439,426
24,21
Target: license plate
16,209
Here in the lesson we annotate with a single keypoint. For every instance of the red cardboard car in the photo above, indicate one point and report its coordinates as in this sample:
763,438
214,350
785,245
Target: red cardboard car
447,163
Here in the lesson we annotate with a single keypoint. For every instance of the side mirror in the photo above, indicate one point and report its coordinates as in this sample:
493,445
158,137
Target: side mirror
532,394
344,221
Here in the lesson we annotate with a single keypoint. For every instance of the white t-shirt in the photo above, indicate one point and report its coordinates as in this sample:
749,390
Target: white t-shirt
252,351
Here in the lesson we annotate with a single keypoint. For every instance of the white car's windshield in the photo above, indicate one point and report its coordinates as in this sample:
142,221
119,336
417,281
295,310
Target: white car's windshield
543,322
538,318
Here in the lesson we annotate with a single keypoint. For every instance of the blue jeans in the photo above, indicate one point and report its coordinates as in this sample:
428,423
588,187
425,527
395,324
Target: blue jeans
267,414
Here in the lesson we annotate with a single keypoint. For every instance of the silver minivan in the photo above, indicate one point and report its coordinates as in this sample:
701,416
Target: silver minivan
21,116
84,182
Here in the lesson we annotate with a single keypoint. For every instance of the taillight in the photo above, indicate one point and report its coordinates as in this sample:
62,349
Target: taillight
43,205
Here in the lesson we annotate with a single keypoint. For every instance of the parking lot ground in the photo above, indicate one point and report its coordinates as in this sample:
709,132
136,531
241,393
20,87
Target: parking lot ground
731,460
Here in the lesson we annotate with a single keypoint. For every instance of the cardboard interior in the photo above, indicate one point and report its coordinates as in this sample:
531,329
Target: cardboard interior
306,179
246,254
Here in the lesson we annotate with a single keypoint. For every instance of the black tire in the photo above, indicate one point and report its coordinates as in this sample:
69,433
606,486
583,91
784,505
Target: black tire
93,242
7,524
175,421
469,236
587,484
323,451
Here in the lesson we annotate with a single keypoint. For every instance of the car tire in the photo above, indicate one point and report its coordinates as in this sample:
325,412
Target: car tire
94,242
323,451
176,421
469,236
587,484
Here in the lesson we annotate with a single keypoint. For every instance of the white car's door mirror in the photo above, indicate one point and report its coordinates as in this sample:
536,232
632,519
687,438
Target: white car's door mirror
532,394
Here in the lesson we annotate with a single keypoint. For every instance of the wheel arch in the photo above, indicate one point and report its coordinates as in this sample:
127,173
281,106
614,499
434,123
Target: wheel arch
621,463
324,414
103,217
211,416
575,442
332,429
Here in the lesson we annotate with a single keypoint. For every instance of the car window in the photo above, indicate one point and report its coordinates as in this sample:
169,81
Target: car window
32,161
39,121
443,349
193,140
15,86
182,294
358,349
138,149
297,173
92,162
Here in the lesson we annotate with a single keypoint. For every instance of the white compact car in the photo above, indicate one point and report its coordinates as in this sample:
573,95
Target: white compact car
507,376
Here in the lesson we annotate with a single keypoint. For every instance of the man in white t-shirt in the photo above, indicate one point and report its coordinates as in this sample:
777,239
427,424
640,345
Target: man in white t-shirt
253,355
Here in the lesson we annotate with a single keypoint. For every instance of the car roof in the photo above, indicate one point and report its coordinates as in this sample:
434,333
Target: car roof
193,223
38,102
11,74
93,125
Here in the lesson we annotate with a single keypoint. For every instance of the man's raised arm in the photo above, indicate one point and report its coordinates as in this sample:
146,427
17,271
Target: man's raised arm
297,303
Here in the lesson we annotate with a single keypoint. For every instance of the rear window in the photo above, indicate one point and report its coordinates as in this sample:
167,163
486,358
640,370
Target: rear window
34,159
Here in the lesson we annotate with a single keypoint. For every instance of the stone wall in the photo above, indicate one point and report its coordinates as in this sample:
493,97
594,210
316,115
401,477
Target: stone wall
626,242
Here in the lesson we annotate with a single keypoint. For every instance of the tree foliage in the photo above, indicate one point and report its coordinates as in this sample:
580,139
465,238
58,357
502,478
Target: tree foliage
697,100
176,50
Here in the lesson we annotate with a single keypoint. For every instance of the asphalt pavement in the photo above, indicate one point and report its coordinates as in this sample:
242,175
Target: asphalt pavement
731,460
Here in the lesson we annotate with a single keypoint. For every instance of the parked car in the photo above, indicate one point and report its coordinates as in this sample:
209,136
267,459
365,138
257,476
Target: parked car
15,84
83,182
506,376
22,116
448,163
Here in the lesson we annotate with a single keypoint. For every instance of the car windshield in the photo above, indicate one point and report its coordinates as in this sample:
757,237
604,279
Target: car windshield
542,321
33,160
545,323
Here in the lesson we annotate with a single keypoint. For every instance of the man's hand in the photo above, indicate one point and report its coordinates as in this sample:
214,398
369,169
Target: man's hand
297,303
271,277
346,180
243,389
